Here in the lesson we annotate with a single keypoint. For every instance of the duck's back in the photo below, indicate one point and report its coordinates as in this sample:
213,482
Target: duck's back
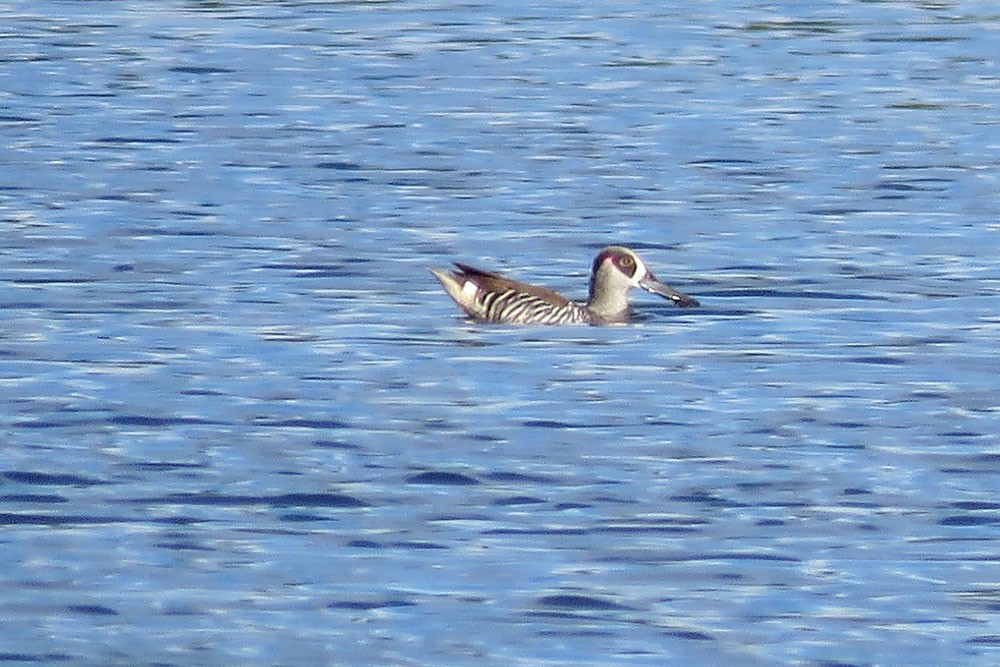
490,297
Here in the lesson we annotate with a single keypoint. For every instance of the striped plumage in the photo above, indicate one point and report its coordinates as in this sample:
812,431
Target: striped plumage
489,297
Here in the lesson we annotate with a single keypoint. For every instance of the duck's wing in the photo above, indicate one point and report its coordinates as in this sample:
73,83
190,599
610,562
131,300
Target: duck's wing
490,282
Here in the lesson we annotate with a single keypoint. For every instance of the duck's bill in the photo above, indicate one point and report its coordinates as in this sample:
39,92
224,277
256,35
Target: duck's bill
654,286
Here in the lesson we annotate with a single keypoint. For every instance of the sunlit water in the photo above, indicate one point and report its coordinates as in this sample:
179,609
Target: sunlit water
243,425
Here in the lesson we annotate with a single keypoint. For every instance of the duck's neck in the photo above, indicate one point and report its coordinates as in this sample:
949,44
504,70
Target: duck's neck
607,304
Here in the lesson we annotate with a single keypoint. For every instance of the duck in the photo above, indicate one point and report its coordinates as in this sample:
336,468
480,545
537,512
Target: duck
486,296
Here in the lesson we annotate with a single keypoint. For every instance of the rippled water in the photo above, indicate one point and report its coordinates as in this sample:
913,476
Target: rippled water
243,425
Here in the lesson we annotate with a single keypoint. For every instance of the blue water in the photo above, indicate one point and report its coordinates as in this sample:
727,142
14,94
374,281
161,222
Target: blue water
242,425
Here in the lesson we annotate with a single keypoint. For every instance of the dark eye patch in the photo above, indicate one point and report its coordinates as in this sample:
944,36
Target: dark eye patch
626,264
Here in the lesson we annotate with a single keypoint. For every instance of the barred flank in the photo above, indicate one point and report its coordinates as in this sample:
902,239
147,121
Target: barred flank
518,308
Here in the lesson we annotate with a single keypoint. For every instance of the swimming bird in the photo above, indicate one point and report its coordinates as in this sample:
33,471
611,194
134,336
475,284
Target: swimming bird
489,297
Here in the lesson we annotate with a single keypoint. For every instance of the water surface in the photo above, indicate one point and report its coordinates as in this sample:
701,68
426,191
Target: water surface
243,425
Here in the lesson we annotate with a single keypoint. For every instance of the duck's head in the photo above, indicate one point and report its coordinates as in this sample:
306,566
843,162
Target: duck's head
617,270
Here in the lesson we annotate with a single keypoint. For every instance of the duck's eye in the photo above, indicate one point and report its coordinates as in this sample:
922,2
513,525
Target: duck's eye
626,262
